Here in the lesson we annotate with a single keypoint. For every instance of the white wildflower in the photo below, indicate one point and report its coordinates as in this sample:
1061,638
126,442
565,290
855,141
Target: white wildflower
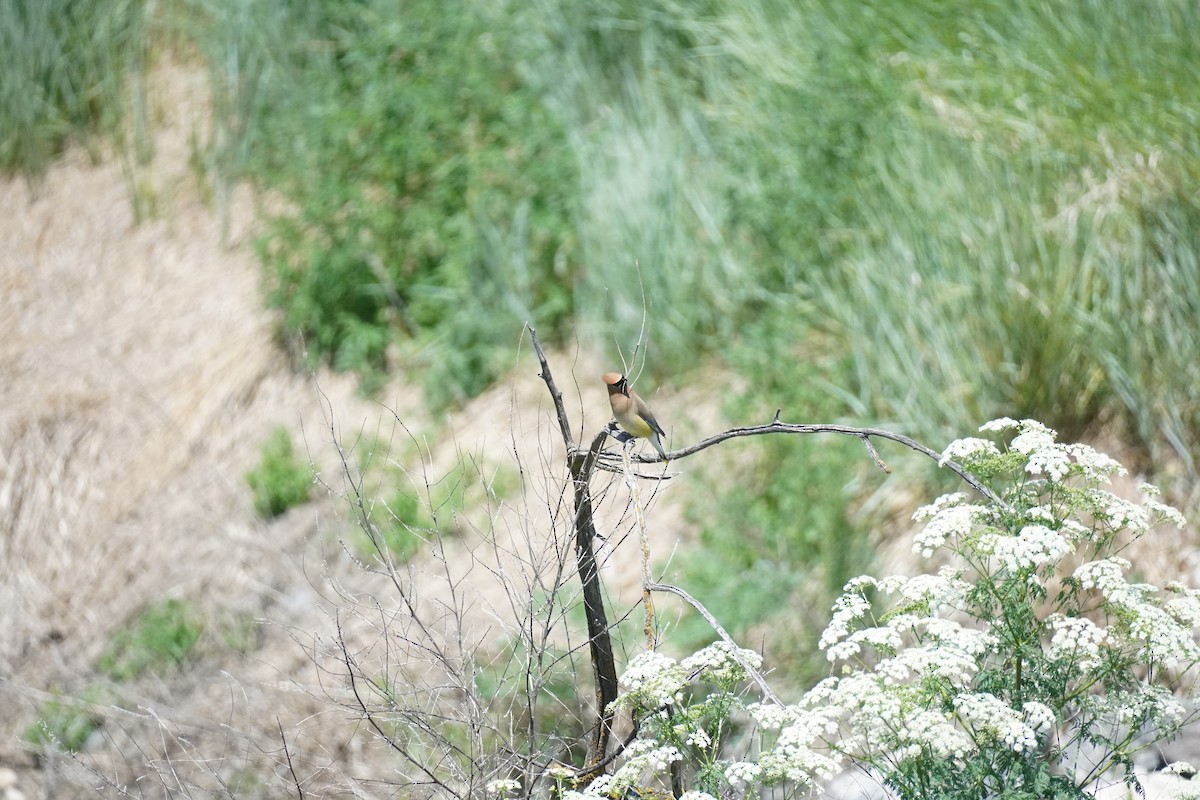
1039,716
651,680
1033,436
1185,609
950,522
847,609
641,757
742,773
943,502
1051,461
999,425
1034,546
1105,574
1163,640
986,713
1076,639
1165,513
503,786
1076,531
1181,768
1120,513
1094,465
721,662
966,449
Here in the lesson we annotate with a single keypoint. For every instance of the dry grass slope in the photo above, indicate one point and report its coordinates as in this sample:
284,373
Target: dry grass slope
140,376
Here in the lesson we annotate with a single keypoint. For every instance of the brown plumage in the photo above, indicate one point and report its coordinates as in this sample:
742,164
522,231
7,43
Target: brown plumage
631,411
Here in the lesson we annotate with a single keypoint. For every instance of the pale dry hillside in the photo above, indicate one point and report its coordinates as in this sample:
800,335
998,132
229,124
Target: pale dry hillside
139,375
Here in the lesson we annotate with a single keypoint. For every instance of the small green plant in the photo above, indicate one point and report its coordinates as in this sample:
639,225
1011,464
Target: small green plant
411,512
280,481
63,723
1027,666
161,638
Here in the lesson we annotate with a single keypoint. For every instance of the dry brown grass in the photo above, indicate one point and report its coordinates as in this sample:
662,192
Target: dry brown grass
140,377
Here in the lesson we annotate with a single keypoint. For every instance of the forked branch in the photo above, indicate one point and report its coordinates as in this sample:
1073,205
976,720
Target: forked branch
583,463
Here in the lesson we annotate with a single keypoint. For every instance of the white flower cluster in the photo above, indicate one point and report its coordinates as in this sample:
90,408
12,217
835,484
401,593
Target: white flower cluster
798,755
909,683
1159,633
883,717
722,663
769,716
697,738
643,758
948,521
503,786
1039,716
915,644
943,591
743,773
988,715
1076,640
1034,546
1185,608
948,652
967,449
652,680
1153,707
1048,457
847,609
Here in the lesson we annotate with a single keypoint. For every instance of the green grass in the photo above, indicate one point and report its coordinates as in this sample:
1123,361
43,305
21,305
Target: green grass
280,480
409,506
64,723
71,69
160,639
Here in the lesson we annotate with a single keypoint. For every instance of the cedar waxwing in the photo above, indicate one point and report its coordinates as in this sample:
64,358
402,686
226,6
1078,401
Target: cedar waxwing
631,411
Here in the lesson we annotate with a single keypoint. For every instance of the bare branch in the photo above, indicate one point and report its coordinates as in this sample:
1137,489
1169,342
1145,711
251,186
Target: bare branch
582,465
288,754
564,424
865,434
716,626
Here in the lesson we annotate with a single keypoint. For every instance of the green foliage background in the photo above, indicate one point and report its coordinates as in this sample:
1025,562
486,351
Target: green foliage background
905,213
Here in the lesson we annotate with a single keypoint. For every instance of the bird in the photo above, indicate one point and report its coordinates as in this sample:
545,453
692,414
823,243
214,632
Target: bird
631,411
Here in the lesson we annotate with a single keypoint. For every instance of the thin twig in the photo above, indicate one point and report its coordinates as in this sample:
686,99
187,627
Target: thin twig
716,626
644,539
563,424
288,754
864,434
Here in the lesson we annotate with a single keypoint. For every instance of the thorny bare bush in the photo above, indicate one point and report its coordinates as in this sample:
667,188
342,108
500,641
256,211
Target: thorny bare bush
469,662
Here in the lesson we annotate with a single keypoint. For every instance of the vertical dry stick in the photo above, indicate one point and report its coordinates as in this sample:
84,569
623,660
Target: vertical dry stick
582,464
647,579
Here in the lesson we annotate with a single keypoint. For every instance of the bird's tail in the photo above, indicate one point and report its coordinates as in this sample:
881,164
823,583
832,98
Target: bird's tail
656,440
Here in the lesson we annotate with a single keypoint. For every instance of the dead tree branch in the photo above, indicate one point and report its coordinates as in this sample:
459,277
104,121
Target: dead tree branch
582,464
863,434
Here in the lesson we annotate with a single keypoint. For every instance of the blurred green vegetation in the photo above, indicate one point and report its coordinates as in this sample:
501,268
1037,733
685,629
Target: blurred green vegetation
66,722
159,639
898,213
72,68
408,509
280,480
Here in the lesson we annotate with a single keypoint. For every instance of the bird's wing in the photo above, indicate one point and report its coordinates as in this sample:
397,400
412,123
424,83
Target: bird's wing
644,412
